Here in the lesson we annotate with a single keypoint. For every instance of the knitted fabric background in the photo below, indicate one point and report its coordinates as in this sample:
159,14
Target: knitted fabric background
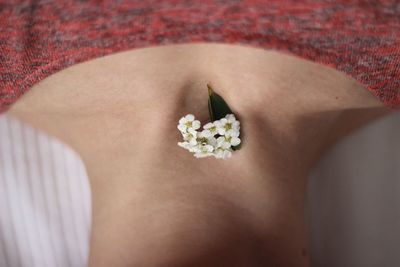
360,38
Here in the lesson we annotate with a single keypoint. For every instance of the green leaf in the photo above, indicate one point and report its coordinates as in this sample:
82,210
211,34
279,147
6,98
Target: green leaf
236,147
218,108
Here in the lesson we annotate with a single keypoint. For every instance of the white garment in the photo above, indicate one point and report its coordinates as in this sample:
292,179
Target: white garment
353,197
354,200
44,200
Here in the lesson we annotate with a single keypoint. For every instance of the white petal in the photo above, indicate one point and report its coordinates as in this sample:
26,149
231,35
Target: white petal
227,154
223,121
220,140
192,142
232,132
209,148
182,128
192,131
182,144
221,131
189,117
213,141
219,152
194,149
218,156
217,123
182,120
235,141
214,131
196,124
208,125
202,154
235,124
187,136
230,117
205,133
226,145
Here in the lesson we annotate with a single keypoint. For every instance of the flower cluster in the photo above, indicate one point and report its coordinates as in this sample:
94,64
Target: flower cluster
216,139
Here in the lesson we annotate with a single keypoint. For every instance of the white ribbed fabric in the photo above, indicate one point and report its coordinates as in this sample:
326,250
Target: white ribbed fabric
353,200
44,200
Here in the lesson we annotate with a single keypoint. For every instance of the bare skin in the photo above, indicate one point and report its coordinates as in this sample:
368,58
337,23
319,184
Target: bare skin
154,204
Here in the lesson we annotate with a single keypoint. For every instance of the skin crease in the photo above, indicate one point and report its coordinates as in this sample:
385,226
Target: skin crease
154,204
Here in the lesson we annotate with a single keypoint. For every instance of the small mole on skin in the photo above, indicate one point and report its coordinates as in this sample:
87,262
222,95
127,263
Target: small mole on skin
336,97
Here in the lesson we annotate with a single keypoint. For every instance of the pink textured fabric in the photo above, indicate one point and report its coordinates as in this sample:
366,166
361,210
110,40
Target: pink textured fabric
360,38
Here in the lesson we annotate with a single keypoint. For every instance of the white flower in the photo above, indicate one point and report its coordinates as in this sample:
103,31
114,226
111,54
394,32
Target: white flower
216,139
229,125
223,143
232,138
204,151
187,146
207,141
190,136
210,129
205,146
188,122
228,140
221,153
